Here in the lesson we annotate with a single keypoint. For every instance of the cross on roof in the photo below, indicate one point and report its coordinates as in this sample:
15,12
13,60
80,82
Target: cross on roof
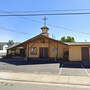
44,20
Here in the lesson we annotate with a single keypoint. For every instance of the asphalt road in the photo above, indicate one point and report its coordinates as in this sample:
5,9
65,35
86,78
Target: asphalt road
39,86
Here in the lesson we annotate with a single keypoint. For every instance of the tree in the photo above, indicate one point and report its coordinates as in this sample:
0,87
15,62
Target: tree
10,43
67,39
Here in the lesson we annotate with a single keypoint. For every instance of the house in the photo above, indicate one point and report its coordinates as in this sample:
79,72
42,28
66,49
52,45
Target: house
42,46
3,48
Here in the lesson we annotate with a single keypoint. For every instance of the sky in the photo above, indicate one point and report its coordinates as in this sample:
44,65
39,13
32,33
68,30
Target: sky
32,24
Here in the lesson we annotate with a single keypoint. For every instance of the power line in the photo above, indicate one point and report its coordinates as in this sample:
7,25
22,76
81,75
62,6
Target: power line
55,26
12,30
35,11
69,29
45,14
63,27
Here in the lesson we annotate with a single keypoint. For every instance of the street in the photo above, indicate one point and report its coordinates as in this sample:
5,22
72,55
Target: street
66,69
12,85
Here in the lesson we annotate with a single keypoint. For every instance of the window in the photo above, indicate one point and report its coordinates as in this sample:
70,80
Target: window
55,49
33,50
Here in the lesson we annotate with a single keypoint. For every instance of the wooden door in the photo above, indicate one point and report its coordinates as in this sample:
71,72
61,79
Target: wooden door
43,52
85,53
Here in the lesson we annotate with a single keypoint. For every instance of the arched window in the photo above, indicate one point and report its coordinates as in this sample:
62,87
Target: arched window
33,50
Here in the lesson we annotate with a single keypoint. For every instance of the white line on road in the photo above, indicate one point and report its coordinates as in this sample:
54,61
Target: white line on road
85,69
60,70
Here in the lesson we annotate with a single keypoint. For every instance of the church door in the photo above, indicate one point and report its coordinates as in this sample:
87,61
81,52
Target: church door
43,52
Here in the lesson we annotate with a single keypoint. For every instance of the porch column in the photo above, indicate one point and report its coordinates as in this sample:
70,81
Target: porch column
27,51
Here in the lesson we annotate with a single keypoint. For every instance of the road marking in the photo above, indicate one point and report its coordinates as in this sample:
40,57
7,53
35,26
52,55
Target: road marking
60,70
85,69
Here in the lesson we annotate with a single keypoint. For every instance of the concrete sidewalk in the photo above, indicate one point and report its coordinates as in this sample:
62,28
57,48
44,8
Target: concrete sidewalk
45,78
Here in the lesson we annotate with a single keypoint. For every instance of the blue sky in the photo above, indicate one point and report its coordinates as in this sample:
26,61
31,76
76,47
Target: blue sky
32,25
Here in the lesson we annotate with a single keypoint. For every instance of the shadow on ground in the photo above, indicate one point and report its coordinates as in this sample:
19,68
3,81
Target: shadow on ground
22,61
74,64
64,64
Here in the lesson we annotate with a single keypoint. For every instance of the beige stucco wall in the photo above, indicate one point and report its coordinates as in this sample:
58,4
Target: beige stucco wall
75,53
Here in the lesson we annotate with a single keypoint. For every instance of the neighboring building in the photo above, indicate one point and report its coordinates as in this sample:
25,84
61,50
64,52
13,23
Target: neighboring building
3,48
2,44
79,51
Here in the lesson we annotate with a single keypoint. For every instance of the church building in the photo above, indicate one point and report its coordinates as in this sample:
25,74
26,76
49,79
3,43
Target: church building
43,46
40,46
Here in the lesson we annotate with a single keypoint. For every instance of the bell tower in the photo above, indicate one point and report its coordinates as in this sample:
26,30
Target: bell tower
45,28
